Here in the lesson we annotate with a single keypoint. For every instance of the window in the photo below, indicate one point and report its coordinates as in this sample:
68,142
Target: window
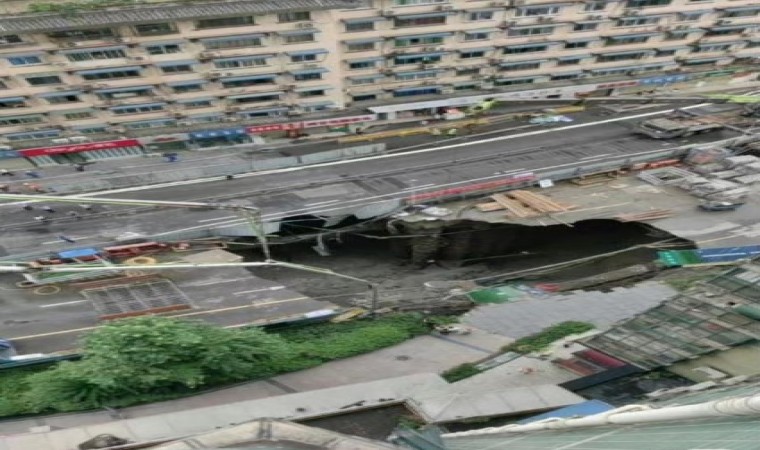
94,129
126,92
362,81
258,98
178,68
417,91
27,60
240,63
413,41
296,16
569,61
725,31
712,48
465,87
753,44
676,35
537,11
268,113
360,26
314,93
476,36
401,22
358,65
424,59
44,134
530,31
480,15
569,76
307,76
364,97
19,120
232,42
625,40
468,71
645,3
150,124
743,12
137,109
670,52
637,21
13,103
225,22
185,88
96,33
208,118
585,26
689,16
257,81
43,80
514,82
415,76
9,39
594,6
308,57
417,2
620,57
530,65
580,44
78,115
94,55
197,104
525,49
163,49
468,54
59,99
360,46
298,38
154,29
111,75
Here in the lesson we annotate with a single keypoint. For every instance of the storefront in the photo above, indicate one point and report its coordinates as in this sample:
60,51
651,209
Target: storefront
166,142
219,138
294,130
83,153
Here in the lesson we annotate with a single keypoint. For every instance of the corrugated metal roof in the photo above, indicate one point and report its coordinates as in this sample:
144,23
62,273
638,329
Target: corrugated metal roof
163,12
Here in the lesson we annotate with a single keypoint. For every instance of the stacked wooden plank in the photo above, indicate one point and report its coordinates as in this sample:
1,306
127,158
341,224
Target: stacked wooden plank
645,216
524,204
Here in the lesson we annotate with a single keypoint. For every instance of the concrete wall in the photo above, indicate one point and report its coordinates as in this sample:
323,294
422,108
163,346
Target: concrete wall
743,360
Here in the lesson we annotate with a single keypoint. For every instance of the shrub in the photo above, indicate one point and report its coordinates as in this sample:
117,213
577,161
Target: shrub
539,341
460,372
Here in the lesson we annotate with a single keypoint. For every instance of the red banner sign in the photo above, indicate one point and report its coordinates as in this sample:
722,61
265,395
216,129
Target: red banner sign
460,190
76,148
272,127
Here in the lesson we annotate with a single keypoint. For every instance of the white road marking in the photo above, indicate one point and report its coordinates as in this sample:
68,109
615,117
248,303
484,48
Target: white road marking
273,288
322,203
218,218
53,305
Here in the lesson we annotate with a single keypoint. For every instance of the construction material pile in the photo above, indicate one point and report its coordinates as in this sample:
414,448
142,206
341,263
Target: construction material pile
524,204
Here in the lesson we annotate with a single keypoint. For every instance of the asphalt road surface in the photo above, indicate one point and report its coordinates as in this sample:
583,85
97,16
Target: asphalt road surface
332,187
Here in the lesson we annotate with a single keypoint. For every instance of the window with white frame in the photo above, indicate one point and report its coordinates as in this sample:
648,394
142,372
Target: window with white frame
534,11
477,16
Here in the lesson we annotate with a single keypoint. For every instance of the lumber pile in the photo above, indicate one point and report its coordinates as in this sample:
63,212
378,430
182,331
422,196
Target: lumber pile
645,216
524,204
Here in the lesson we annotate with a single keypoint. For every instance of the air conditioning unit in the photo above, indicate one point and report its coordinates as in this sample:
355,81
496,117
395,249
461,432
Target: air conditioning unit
496,4
595,17
445,8
185,123
518,3
79,139
310,66
682,27
231,119
117,129
60,141
304,25
724,22
389,12
632,12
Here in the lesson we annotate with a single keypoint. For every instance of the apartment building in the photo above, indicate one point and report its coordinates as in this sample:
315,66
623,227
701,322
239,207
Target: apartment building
99,70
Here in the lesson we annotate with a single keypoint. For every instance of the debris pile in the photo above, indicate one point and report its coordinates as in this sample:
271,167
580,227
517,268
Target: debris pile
524,204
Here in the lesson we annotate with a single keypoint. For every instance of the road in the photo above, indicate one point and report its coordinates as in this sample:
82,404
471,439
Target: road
335,188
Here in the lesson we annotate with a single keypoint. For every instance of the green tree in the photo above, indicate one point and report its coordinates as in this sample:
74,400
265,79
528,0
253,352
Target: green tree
132,357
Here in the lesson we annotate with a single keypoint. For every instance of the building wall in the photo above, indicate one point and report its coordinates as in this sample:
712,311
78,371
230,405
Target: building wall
301,63
737,361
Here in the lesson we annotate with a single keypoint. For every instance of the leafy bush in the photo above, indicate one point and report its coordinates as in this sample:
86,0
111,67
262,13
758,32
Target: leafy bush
542,339
460,372
154,358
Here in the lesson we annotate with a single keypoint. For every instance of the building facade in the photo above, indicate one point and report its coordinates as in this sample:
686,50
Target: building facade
112,69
